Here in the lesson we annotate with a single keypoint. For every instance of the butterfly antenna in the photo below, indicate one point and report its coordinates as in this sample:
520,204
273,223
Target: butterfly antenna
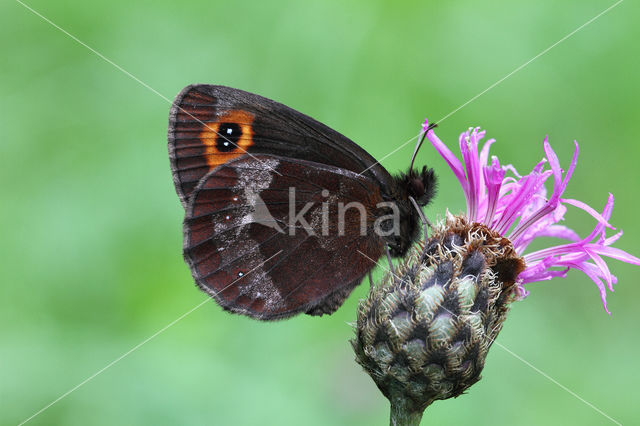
419,144
425,222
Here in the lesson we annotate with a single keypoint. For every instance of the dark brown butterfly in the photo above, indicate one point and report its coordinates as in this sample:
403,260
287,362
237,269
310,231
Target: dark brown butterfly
283,214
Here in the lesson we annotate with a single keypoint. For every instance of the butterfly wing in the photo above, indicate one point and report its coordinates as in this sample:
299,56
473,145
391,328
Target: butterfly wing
262,235
211,125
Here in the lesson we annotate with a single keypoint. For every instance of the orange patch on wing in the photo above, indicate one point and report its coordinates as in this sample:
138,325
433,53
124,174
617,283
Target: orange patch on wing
210,135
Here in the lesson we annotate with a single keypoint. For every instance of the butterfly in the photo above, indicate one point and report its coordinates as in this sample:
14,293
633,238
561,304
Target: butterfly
283,215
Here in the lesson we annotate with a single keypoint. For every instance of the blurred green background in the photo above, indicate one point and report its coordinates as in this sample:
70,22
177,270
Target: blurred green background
91,260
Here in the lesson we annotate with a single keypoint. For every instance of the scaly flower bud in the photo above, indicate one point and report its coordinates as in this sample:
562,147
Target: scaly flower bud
423,334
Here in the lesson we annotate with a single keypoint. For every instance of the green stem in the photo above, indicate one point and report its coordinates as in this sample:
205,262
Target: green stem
403,413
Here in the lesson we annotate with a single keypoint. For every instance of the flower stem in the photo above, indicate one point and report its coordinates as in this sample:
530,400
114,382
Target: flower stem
403,413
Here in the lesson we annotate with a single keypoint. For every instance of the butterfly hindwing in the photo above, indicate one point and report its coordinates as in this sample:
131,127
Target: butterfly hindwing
263,237
212,125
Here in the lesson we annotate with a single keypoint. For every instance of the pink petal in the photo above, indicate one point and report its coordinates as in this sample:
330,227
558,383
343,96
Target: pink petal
612,239
572,166
603,267
596,279
614,253
554,163
451,160
606,214
579,204
484,154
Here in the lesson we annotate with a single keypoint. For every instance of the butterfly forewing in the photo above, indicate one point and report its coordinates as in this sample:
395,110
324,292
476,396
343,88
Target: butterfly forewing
212,125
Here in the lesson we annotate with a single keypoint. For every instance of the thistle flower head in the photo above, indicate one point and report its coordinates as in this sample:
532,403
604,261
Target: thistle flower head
519,208
424,331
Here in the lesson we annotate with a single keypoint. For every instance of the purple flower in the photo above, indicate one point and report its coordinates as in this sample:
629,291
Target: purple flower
518,208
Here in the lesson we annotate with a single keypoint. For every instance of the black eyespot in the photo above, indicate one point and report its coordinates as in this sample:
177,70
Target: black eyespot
228,136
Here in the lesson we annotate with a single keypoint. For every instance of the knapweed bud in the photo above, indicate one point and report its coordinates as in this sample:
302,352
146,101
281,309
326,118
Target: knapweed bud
424,332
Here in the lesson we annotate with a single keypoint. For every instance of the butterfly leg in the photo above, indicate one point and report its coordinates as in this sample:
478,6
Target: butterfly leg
425,222
390,262
370,279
